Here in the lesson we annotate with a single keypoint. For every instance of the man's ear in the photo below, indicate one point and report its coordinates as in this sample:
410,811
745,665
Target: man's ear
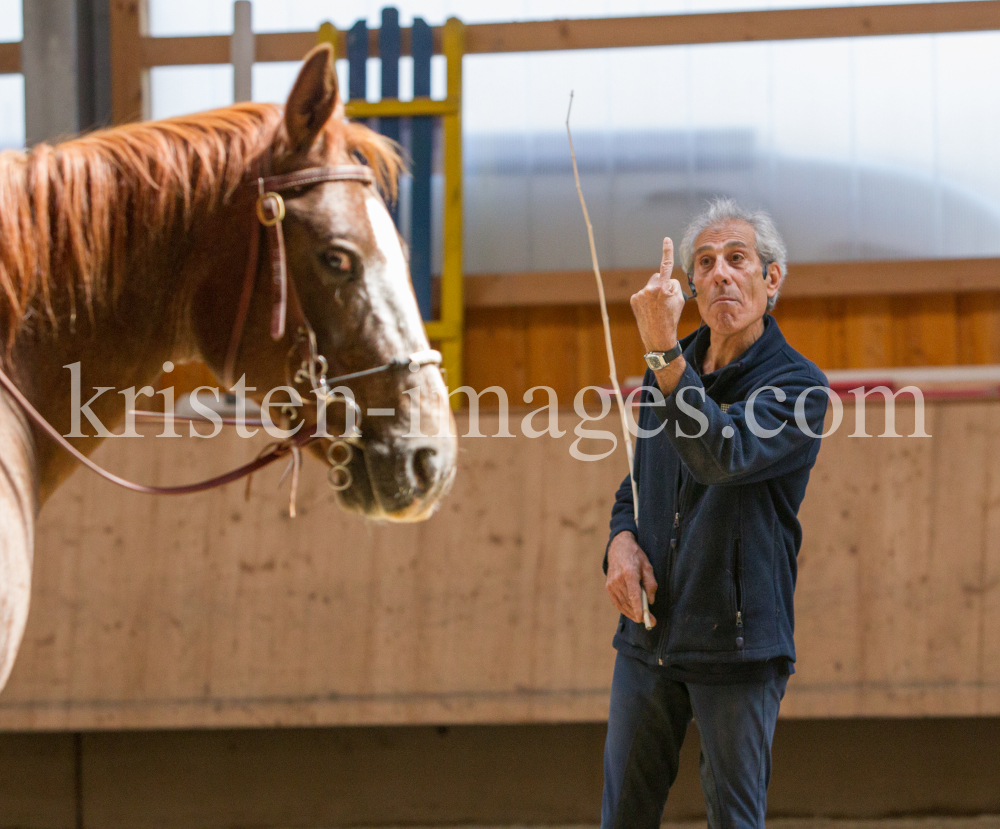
313,99
774,278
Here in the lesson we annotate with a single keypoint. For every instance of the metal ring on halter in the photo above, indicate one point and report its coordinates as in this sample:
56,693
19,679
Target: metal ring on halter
339,467
333,447
319,362
339,486
279,210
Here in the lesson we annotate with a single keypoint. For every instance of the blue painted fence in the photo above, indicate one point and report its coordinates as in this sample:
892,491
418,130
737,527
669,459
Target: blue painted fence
421,133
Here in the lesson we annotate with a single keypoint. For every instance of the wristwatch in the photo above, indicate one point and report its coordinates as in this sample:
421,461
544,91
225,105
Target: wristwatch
661,359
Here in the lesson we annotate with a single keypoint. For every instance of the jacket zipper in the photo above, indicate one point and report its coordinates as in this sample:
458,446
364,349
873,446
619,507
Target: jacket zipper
670,567
738,590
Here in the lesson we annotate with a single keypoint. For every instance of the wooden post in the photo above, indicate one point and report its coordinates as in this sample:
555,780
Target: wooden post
422,152
328,34
388,50
241,51
128,78
357,60
50,61
452,309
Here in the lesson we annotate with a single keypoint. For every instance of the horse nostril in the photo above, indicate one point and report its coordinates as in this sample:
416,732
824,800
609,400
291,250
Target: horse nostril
424,468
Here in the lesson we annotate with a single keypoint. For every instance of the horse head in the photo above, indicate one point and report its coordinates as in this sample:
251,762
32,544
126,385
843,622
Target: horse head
349,304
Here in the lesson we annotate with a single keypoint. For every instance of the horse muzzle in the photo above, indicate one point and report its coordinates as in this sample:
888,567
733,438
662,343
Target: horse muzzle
398,480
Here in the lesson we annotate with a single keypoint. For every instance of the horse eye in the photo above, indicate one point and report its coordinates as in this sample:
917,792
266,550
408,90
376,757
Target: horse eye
339,260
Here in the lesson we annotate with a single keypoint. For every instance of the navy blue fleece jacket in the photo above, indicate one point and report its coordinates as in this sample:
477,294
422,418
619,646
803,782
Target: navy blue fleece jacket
718,510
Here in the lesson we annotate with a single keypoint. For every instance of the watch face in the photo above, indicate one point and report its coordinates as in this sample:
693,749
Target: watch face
655,360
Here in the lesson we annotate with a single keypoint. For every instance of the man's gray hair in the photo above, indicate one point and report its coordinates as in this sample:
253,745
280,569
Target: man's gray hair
769,245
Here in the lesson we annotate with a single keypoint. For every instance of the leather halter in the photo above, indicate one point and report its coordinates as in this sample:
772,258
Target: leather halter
285,303
270,211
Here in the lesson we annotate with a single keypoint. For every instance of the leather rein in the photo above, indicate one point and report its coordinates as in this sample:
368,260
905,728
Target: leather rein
270,211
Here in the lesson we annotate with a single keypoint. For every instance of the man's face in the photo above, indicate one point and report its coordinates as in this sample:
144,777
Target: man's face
729,277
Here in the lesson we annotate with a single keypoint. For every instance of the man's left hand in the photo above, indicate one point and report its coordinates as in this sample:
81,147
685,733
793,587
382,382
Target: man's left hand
658,306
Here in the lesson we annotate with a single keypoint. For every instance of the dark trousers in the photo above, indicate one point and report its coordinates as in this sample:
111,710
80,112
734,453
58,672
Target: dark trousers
649,716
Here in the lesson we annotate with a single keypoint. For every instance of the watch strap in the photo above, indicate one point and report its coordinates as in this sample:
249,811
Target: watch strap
657,360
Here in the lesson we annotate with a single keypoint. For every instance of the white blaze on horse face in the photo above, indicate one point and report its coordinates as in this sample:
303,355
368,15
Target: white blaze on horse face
391,295
395,307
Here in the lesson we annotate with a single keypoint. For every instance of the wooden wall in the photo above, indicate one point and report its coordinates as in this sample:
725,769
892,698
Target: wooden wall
563,345
206,611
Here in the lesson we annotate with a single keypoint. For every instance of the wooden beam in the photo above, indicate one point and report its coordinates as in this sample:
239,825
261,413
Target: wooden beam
292,46
185,51
733,27
924,276
214,49
10,58
271,47
805,280
604,33
127,68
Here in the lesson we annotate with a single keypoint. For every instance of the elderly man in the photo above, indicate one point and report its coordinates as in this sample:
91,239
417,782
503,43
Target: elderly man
721,471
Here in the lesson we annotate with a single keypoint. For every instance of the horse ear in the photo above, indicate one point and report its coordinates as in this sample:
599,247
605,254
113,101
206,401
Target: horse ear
313,99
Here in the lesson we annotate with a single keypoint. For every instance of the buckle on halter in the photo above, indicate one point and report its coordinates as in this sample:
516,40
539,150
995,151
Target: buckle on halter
276,203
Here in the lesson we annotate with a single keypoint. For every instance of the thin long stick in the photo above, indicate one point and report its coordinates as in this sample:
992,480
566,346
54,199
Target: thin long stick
604,315
612,369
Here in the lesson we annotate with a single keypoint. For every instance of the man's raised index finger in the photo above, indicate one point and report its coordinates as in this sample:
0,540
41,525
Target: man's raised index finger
667,263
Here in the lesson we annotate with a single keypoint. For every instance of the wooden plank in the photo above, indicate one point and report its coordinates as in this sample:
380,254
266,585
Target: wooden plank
552,287
127,21
603,33
552,347
978,328
10,58
498,341
893,277
284,46
984,585
388,45
733,27
807,279
452,310
206,611
271,47
422,152
189,51
868,331
357,57
806,324
592,358
925,332
214,49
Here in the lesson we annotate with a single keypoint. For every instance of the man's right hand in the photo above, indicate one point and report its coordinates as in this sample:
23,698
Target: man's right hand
629,571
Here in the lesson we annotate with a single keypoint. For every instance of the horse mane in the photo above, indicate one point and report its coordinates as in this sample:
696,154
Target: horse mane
71,215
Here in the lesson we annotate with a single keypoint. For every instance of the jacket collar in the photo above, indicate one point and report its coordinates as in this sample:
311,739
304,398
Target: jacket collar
695,346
